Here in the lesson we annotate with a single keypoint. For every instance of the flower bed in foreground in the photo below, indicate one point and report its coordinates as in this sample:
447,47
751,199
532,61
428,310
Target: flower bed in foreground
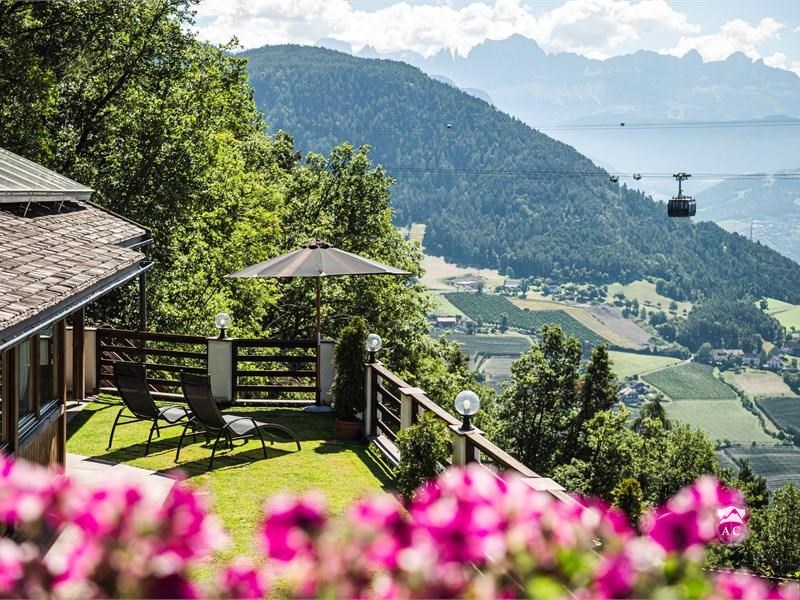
468,534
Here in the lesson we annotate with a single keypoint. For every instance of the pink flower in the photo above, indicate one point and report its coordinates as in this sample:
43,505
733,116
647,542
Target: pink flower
240,581
615,577
291,525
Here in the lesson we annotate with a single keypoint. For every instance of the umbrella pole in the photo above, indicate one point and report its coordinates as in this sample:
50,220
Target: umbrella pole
318,398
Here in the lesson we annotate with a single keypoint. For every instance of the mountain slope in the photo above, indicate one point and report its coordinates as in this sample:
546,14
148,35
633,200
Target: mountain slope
770,205
496,193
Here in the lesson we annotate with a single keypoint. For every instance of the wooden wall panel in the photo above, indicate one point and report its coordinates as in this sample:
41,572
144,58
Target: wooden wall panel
43,445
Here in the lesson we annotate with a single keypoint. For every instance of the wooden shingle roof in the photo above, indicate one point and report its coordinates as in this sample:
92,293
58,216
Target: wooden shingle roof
57,255
41,266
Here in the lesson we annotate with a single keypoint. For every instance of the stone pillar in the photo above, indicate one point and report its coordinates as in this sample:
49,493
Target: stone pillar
220,369
327,367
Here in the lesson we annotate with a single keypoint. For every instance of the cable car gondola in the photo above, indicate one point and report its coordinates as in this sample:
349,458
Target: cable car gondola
680,205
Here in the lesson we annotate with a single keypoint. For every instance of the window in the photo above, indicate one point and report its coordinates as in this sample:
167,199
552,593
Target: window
2,395
27,410
46,373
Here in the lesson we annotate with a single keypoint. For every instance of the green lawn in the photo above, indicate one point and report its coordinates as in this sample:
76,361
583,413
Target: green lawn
720,419
627,364
690,381
443,307
787,314
241,480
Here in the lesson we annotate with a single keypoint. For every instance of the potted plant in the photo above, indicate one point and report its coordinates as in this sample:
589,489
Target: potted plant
348,385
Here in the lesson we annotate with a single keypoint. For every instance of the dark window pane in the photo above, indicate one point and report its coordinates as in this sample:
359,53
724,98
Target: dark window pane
25,397
47,371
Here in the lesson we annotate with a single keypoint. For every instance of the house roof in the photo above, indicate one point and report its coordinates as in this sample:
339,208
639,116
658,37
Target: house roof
22,180
58,256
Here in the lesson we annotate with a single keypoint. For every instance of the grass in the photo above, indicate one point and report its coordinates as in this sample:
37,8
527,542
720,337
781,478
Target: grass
489,308
497,370
627,364
414,233
783,411
645,293
580,314
720,419
690,381
438,270
444,308
757,383
779,464
242,479
787,314
509,344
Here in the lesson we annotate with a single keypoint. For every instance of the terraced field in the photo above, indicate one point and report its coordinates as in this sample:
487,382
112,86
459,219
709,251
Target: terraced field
690,381
489,308
779,464
784,411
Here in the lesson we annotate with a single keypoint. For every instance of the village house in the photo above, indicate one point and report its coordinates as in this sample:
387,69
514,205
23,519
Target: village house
59,253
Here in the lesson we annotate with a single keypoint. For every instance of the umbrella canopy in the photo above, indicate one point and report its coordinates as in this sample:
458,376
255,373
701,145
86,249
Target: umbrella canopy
318,259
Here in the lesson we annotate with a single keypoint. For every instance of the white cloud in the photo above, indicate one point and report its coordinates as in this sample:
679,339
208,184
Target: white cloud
591,27
778,60
733,36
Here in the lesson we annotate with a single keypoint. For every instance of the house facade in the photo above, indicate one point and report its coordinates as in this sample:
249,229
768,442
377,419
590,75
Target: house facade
58,253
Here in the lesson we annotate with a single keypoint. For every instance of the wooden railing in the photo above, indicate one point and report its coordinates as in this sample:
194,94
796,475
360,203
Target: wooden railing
274,369
164,354
393,405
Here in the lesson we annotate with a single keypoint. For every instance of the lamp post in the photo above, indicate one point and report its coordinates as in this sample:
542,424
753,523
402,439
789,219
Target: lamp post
374,344
222,321
467,404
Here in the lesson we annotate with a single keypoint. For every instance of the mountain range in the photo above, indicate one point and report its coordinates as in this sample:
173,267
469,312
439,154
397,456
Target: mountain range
495,192
568,96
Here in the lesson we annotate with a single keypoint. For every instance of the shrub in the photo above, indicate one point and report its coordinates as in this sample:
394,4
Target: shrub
424,447
348,386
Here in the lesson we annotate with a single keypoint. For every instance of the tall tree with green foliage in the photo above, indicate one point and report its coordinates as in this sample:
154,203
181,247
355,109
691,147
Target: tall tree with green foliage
542,400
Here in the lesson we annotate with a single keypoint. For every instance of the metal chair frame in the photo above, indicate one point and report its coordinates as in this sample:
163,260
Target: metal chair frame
137,416
206,417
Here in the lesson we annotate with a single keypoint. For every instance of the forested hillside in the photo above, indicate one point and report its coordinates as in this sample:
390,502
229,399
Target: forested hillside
496,193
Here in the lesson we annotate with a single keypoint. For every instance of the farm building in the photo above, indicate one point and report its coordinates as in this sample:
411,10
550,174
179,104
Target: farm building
721,354
59,253
447,322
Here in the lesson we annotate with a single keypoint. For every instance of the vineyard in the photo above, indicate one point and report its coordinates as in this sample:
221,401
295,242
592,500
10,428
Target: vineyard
784,411
779,464
489,308
492,345
690,381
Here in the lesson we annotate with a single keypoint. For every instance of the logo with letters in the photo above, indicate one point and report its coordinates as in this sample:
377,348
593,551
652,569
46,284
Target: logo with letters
732,525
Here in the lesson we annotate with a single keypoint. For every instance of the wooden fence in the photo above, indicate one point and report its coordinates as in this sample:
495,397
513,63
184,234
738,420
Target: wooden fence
275,369
261,370
393,405
164,354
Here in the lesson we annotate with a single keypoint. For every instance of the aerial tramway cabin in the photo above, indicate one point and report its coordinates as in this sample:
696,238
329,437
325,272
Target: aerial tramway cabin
58,253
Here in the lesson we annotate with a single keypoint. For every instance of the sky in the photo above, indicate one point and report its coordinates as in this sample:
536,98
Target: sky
761,29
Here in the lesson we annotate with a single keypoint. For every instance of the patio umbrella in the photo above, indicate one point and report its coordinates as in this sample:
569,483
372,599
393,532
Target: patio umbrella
318,259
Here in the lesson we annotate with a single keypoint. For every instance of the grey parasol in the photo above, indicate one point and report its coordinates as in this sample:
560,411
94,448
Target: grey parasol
318,259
